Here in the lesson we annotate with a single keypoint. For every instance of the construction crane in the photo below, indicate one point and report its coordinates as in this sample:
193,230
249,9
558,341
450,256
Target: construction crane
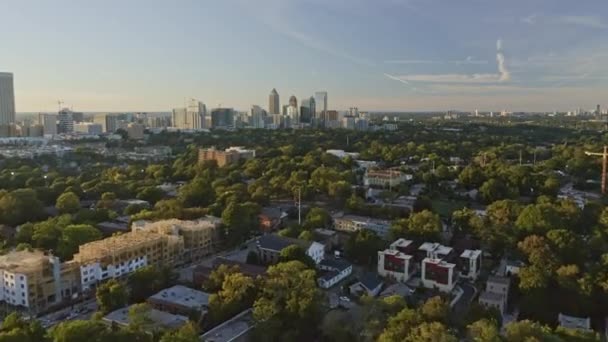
604,165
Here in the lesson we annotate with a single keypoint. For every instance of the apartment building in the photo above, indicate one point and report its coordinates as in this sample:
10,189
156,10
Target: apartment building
201,237
496,294
438,272
35,281
120,255
353,223
385,178
470,264
229,156
397,262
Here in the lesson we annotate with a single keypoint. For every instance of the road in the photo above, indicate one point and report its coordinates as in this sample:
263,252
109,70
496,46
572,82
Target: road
79,311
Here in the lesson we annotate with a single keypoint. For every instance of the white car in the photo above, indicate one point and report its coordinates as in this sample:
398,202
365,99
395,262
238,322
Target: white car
345,299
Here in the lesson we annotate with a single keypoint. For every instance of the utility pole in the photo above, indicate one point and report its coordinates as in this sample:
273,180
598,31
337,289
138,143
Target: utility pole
534,157
299,203
520,157
604,165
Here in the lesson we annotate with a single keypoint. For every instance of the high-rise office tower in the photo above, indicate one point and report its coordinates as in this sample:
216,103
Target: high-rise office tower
66,121
196,113
321,105
293,101
598,110
7,99
257,117
273,102
48,123
109,122
307,110
222,118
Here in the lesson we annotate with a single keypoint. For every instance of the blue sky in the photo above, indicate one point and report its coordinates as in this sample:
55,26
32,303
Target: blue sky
375,54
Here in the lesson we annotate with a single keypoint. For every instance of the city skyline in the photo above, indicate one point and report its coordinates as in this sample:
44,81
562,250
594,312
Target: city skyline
411,55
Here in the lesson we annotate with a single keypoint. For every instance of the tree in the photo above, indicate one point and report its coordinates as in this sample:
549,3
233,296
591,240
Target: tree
484,331
287,308
424,225
111,296
68,203
196,193
146,281
19,206
240,220
400,326
525,331
317,218
493,190
237,293
362,247
187,333
151,194
471,177
430,332
295,252
80,331
217,276
435,309
75,235
306,235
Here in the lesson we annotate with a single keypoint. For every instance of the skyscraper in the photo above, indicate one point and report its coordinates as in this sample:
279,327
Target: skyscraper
293,101
273,102
66,121
257,117
222,118
7,99
307,110
321,106
196,113
48,123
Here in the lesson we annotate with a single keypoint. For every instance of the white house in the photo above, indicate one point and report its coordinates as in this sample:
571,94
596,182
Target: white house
335,271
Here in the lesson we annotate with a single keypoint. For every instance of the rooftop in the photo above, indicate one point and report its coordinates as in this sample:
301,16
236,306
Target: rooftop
164,319
499,280
183,296
572,322
396,253
117,243
278,243
438,262
401,243
231,329
435,247
337,264
371,281
22,261
491,296
470,254
364,219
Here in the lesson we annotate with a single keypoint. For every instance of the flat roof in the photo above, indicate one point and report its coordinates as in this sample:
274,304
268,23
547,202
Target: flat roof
491,296
22,261
401,243
499,280
165,319
183,296
470,254
438,262
397,254
231,329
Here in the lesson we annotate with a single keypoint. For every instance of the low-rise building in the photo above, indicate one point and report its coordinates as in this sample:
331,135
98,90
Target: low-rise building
201,237
385,178
270,247
180,300
496,294
335,270
493,300
397,262
369,284
222,158
470,264
353,223
35,281
572,322
120,255
135,131
236,329
271,218
156,320
438,274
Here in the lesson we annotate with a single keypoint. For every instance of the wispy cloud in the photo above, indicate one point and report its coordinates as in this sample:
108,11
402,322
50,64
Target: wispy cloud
503,74
468,60
531,19
584,20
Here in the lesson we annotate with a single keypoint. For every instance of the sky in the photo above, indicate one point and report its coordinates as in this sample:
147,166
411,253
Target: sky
393,55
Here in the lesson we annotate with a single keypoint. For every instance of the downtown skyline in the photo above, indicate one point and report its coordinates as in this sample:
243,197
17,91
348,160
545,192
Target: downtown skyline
393,55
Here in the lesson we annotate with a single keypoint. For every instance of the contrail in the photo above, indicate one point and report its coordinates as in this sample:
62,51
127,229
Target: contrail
505,75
